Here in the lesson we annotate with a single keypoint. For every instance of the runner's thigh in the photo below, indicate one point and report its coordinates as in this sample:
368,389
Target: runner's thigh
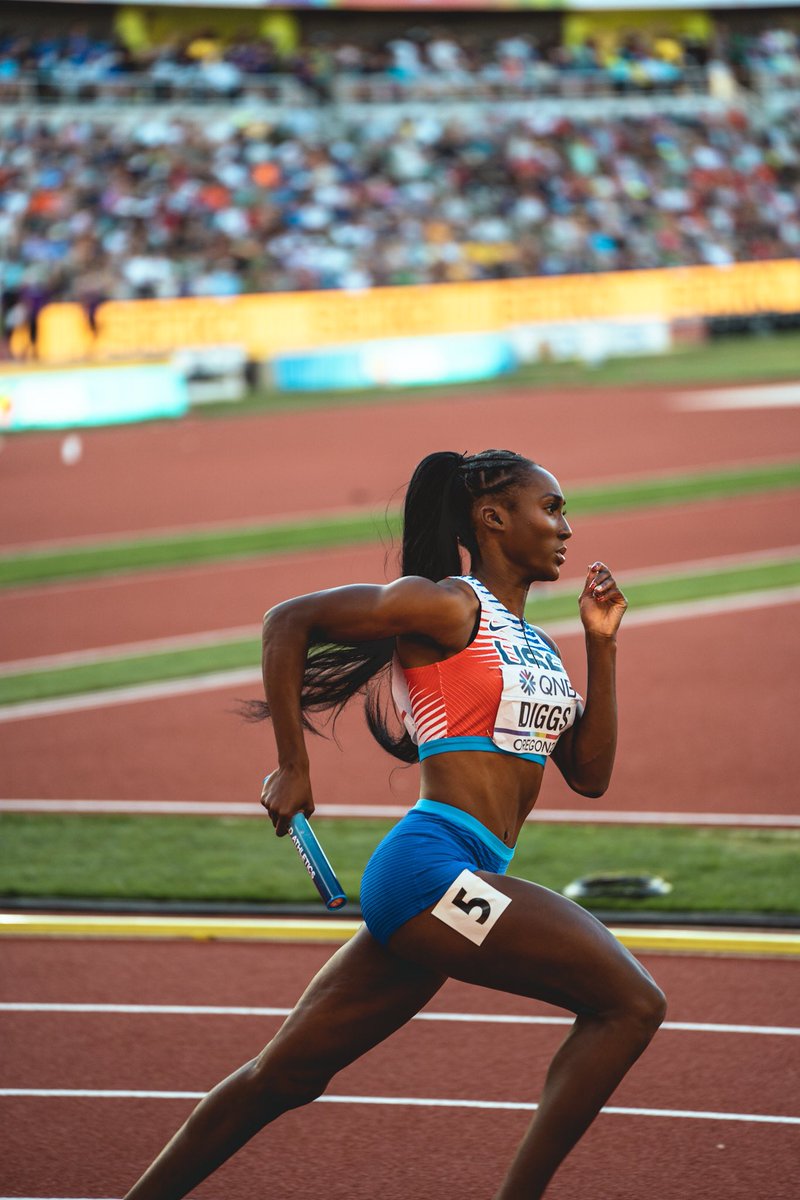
505,933
361,996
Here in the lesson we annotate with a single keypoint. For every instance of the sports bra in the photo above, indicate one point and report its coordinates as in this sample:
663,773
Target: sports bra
506,692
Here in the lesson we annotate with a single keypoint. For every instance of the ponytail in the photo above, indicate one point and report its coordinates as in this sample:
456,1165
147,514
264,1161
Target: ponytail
436,517
437,523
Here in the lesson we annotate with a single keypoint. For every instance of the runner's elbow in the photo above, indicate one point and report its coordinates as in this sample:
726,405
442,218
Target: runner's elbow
277,619
591,789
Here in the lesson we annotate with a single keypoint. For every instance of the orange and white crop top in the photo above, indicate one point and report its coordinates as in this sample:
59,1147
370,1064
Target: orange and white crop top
506,692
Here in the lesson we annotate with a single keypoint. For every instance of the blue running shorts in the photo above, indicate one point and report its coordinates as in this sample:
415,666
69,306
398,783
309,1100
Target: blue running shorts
415,864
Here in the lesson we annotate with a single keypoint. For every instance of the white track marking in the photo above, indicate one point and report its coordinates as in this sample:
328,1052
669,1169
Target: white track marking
212,682
773,395
77,658
217,680
236,524
690,566
243,562
215,1010
235,808
528,1106
687,610
189,641
400,1101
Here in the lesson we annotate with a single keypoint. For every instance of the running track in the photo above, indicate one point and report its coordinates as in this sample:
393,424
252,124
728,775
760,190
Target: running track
94,1147
711,684
200,471
703,678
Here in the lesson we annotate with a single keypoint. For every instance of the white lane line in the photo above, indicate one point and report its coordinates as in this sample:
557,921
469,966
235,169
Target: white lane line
218,1010
236,808
400,1101
587,816
164,645
527,1106
212,637
212,682
687,610
709,565
774,395
238,524
294,559
218,680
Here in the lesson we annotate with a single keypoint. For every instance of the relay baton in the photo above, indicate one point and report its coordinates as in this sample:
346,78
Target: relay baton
317,865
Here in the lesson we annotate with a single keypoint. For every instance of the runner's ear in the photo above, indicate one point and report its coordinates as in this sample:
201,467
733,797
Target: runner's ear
490,515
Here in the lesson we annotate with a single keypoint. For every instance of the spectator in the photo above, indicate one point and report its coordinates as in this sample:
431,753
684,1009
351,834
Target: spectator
175,207
420,63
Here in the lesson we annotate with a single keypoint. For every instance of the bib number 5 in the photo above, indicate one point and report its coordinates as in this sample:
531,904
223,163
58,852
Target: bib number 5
471,906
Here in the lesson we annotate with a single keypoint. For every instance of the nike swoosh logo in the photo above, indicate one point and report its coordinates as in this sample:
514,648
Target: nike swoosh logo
495,628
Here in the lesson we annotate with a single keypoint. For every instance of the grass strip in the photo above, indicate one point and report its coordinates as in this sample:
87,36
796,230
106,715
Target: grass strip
125,557
103,558
559,604
127,672
238,859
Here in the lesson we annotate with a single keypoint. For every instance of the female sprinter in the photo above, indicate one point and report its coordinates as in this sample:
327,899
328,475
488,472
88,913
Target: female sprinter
486,701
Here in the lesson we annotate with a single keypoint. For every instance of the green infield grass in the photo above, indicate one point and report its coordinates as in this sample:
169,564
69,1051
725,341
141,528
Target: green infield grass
129,555
240,859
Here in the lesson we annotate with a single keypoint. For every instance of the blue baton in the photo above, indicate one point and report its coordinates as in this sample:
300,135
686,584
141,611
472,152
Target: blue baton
317,865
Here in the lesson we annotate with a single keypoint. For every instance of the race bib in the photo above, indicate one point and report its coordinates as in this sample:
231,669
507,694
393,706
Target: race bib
537,704
471,906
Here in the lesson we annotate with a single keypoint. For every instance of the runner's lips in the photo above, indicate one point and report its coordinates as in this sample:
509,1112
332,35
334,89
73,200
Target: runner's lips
561,555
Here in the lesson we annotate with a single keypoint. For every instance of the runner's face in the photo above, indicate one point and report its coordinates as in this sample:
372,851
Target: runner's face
538,529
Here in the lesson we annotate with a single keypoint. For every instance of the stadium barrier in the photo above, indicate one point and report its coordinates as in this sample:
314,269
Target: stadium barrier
397,362
111,395
269,325
591,342
213,373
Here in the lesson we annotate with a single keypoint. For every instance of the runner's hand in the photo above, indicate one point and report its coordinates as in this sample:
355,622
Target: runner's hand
285,792
602,604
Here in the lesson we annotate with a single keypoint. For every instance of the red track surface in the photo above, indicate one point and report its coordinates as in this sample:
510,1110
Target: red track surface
94,1147
201,471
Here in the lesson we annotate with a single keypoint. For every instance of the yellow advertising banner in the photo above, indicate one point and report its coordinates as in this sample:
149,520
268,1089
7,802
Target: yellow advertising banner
266,325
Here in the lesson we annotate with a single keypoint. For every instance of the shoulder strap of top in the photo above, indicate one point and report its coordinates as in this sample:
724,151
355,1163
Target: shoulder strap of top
468,579
476,586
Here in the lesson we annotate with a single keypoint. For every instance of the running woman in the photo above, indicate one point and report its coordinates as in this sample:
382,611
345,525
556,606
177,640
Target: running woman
485,700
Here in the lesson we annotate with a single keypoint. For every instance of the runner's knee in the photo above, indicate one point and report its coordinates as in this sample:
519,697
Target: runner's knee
284,1085
638,1004
645,1007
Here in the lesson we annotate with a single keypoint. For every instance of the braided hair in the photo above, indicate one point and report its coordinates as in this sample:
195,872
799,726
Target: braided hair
437,524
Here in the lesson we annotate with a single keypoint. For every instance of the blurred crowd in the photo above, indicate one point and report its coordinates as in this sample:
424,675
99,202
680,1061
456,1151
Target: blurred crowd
179,208
421,62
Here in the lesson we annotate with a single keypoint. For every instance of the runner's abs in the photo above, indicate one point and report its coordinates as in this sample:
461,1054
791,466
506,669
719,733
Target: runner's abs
499,792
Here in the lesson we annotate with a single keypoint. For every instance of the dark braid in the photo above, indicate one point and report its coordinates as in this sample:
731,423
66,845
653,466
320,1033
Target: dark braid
437,523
